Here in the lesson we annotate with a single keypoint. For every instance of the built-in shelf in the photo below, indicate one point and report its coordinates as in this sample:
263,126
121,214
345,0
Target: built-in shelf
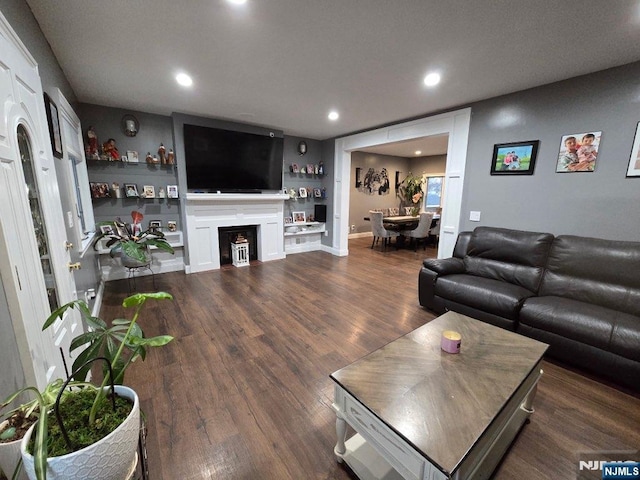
173,238
307,228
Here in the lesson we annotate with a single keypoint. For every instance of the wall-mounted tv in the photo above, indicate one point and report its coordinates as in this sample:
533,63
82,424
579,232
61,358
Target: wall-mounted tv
232,162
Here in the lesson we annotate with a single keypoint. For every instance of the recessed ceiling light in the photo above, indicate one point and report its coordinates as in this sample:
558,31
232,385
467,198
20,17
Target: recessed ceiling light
333,115
184,80
237,2
418,152
432,79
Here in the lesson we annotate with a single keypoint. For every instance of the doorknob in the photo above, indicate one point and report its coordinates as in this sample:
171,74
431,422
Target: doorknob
74,266
68,245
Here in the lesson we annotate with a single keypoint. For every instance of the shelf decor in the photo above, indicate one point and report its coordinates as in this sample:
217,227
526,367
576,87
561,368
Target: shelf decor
130,126
299,217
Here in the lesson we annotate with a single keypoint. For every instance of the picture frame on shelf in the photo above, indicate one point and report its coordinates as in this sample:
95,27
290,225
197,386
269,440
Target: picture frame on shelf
54,126
634,160
172,191
149,191
132,156
99,190
294,168
131,190
299,217
514,158
106,229
310,169
172,225
287,220
302,192
317,193
155,225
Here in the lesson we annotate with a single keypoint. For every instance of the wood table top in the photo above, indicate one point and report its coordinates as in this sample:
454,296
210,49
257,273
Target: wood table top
441,403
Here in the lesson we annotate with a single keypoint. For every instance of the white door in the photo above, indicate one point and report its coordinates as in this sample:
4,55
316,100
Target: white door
33,256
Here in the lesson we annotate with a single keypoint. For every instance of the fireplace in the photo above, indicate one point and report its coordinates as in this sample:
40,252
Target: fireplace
228,235
206,213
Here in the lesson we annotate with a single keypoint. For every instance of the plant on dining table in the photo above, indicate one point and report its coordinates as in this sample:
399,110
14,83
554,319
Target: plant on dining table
411,192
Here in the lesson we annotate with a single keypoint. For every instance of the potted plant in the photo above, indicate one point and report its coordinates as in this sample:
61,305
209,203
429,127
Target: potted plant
94,425
15,423
410,192
132,243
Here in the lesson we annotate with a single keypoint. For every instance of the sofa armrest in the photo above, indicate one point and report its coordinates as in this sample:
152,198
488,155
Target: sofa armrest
431,270
444,266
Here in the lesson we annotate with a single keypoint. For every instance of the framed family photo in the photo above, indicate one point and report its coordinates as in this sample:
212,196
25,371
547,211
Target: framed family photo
578,152
634,160
518,158
298,217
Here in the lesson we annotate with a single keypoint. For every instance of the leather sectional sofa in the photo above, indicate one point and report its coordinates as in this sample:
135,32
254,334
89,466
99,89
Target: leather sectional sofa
580,295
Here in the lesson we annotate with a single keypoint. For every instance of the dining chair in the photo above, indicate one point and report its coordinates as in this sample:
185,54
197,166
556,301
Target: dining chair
435,231
421,232
379,231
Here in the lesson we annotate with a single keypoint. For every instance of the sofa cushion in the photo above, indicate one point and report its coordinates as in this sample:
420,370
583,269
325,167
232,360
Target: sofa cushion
595,271
600,327
512,256
492,296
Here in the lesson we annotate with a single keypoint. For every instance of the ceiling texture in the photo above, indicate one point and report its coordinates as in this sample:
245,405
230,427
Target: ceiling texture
284,64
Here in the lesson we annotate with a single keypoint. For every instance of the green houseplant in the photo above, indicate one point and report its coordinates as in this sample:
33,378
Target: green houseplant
131,242
411,191
88,441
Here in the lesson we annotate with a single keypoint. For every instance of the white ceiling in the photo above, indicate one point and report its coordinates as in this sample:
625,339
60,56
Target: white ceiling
285,63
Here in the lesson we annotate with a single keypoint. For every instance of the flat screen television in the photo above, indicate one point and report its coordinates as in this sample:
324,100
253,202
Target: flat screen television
231,162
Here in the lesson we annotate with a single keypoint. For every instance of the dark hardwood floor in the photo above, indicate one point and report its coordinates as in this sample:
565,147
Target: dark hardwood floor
244,391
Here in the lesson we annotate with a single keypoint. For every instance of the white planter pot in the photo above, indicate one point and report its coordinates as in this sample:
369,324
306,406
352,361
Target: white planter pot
9,458
109,459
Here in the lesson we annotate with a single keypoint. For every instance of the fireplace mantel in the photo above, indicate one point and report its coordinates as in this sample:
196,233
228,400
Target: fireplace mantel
206,212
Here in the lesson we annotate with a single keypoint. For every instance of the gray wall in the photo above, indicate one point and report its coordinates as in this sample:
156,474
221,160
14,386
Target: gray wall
360,203
598,204
297,180
154,129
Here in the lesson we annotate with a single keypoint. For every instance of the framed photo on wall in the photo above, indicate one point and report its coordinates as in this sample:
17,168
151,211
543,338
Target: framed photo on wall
634,160
518,158
54,126
578,152
131,190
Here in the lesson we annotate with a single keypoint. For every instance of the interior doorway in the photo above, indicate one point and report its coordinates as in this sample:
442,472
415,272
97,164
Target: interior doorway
454,124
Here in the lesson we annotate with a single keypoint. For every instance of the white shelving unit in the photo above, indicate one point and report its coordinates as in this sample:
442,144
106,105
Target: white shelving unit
303,237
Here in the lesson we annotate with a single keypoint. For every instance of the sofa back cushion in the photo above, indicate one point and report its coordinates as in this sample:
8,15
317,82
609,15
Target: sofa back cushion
596,271
512,256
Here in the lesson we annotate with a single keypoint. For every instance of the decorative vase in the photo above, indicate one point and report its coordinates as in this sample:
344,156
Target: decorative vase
130,262
110,458
9,458
415,211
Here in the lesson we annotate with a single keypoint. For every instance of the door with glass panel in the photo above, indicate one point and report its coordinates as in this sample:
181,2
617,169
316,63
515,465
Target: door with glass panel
34,263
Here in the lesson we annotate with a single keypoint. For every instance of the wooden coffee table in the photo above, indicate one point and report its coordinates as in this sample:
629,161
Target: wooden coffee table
421,413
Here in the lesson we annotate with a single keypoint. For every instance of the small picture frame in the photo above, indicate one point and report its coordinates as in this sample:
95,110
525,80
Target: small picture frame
302,192
131,190
54,126
310,168
132,156
298,217
172,225
516,158
124,159
578,152
155,225
106,230
149,191
287,220
294,168
172,191
317,193
100,190
634,161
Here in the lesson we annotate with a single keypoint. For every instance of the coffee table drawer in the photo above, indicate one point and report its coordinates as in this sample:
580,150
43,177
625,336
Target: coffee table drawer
404,459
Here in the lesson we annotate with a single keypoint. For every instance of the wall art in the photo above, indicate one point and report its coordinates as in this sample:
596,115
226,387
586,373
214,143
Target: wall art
578,152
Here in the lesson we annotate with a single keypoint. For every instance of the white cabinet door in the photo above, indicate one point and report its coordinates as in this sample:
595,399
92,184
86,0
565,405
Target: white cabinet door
33,259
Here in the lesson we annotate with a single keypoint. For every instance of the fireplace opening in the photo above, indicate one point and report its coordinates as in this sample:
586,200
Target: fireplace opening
228,235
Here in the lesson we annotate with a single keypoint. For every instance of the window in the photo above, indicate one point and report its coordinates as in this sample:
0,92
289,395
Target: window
433,198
